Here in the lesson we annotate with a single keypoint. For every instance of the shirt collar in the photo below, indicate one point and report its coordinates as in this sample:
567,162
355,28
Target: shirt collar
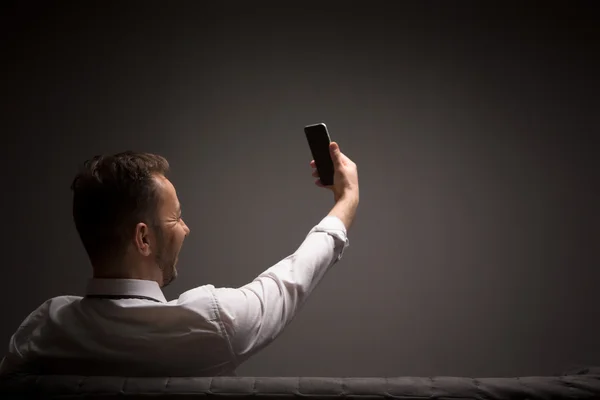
135,287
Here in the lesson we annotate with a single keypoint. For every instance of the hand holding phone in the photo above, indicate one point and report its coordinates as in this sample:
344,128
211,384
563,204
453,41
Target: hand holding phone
318,141
331,163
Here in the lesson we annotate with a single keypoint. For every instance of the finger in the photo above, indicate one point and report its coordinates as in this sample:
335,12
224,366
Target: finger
318,183
312,164
334,151
315,173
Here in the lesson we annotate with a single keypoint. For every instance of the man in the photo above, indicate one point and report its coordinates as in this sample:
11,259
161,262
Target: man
129,219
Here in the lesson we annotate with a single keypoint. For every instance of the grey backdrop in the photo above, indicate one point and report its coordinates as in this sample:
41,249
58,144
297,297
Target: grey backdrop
475,247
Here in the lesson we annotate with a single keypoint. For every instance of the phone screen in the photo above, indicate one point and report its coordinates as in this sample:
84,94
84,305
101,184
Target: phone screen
318,141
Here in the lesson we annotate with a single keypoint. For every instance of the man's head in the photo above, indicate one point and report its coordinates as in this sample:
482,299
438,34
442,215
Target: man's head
128,216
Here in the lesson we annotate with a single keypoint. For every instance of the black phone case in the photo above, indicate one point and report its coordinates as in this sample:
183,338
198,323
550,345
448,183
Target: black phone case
318,141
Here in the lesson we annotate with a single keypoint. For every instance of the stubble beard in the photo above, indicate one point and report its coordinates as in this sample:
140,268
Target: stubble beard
165,260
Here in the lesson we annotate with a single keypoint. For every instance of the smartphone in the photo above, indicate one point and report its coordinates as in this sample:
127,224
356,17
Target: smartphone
318,141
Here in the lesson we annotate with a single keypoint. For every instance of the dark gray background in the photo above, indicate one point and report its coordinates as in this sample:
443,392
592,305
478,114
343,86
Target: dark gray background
475,247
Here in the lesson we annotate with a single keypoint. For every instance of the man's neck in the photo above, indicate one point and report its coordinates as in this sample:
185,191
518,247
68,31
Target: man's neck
141,273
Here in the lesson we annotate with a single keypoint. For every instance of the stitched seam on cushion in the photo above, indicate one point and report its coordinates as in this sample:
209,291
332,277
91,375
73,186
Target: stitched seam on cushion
431,387
573,386
523,384
478,388
81,383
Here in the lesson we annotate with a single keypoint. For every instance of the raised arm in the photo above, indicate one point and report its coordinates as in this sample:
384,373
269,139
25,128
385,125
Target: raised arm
256,313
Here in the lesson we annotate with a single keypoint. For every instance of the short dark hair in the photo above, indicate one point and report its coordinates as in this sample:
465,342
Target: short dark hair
111,194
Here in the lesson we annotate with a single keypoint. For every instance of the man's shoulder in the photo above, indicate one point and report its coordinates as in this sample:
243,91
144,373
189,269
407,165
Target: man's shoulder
54,302
198,293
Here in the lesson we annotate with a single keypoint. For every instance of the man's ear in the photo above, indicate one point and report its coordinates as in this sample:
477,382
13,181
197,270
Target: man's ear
141,239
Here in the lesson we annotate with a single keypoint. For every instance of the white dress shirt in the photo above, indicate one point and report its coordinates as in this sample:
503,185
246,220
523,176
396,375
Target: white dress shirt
207,331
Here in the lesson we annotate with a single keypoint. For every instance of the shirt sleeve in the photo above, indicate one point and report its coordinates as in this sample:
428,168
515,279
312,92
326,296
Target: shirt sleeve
256,313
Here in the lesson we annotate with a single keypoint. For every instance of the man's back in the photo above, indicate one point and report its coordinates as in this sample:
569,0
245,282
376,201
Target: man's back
75,335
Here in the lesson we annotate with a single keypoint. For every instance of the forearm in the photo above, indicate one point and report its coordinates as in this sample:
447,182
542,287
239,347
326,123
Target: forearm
345,209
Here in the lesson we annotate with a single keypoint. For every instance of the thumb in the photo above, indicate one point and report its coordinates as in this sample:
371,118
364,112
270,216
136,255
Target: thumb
334,150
